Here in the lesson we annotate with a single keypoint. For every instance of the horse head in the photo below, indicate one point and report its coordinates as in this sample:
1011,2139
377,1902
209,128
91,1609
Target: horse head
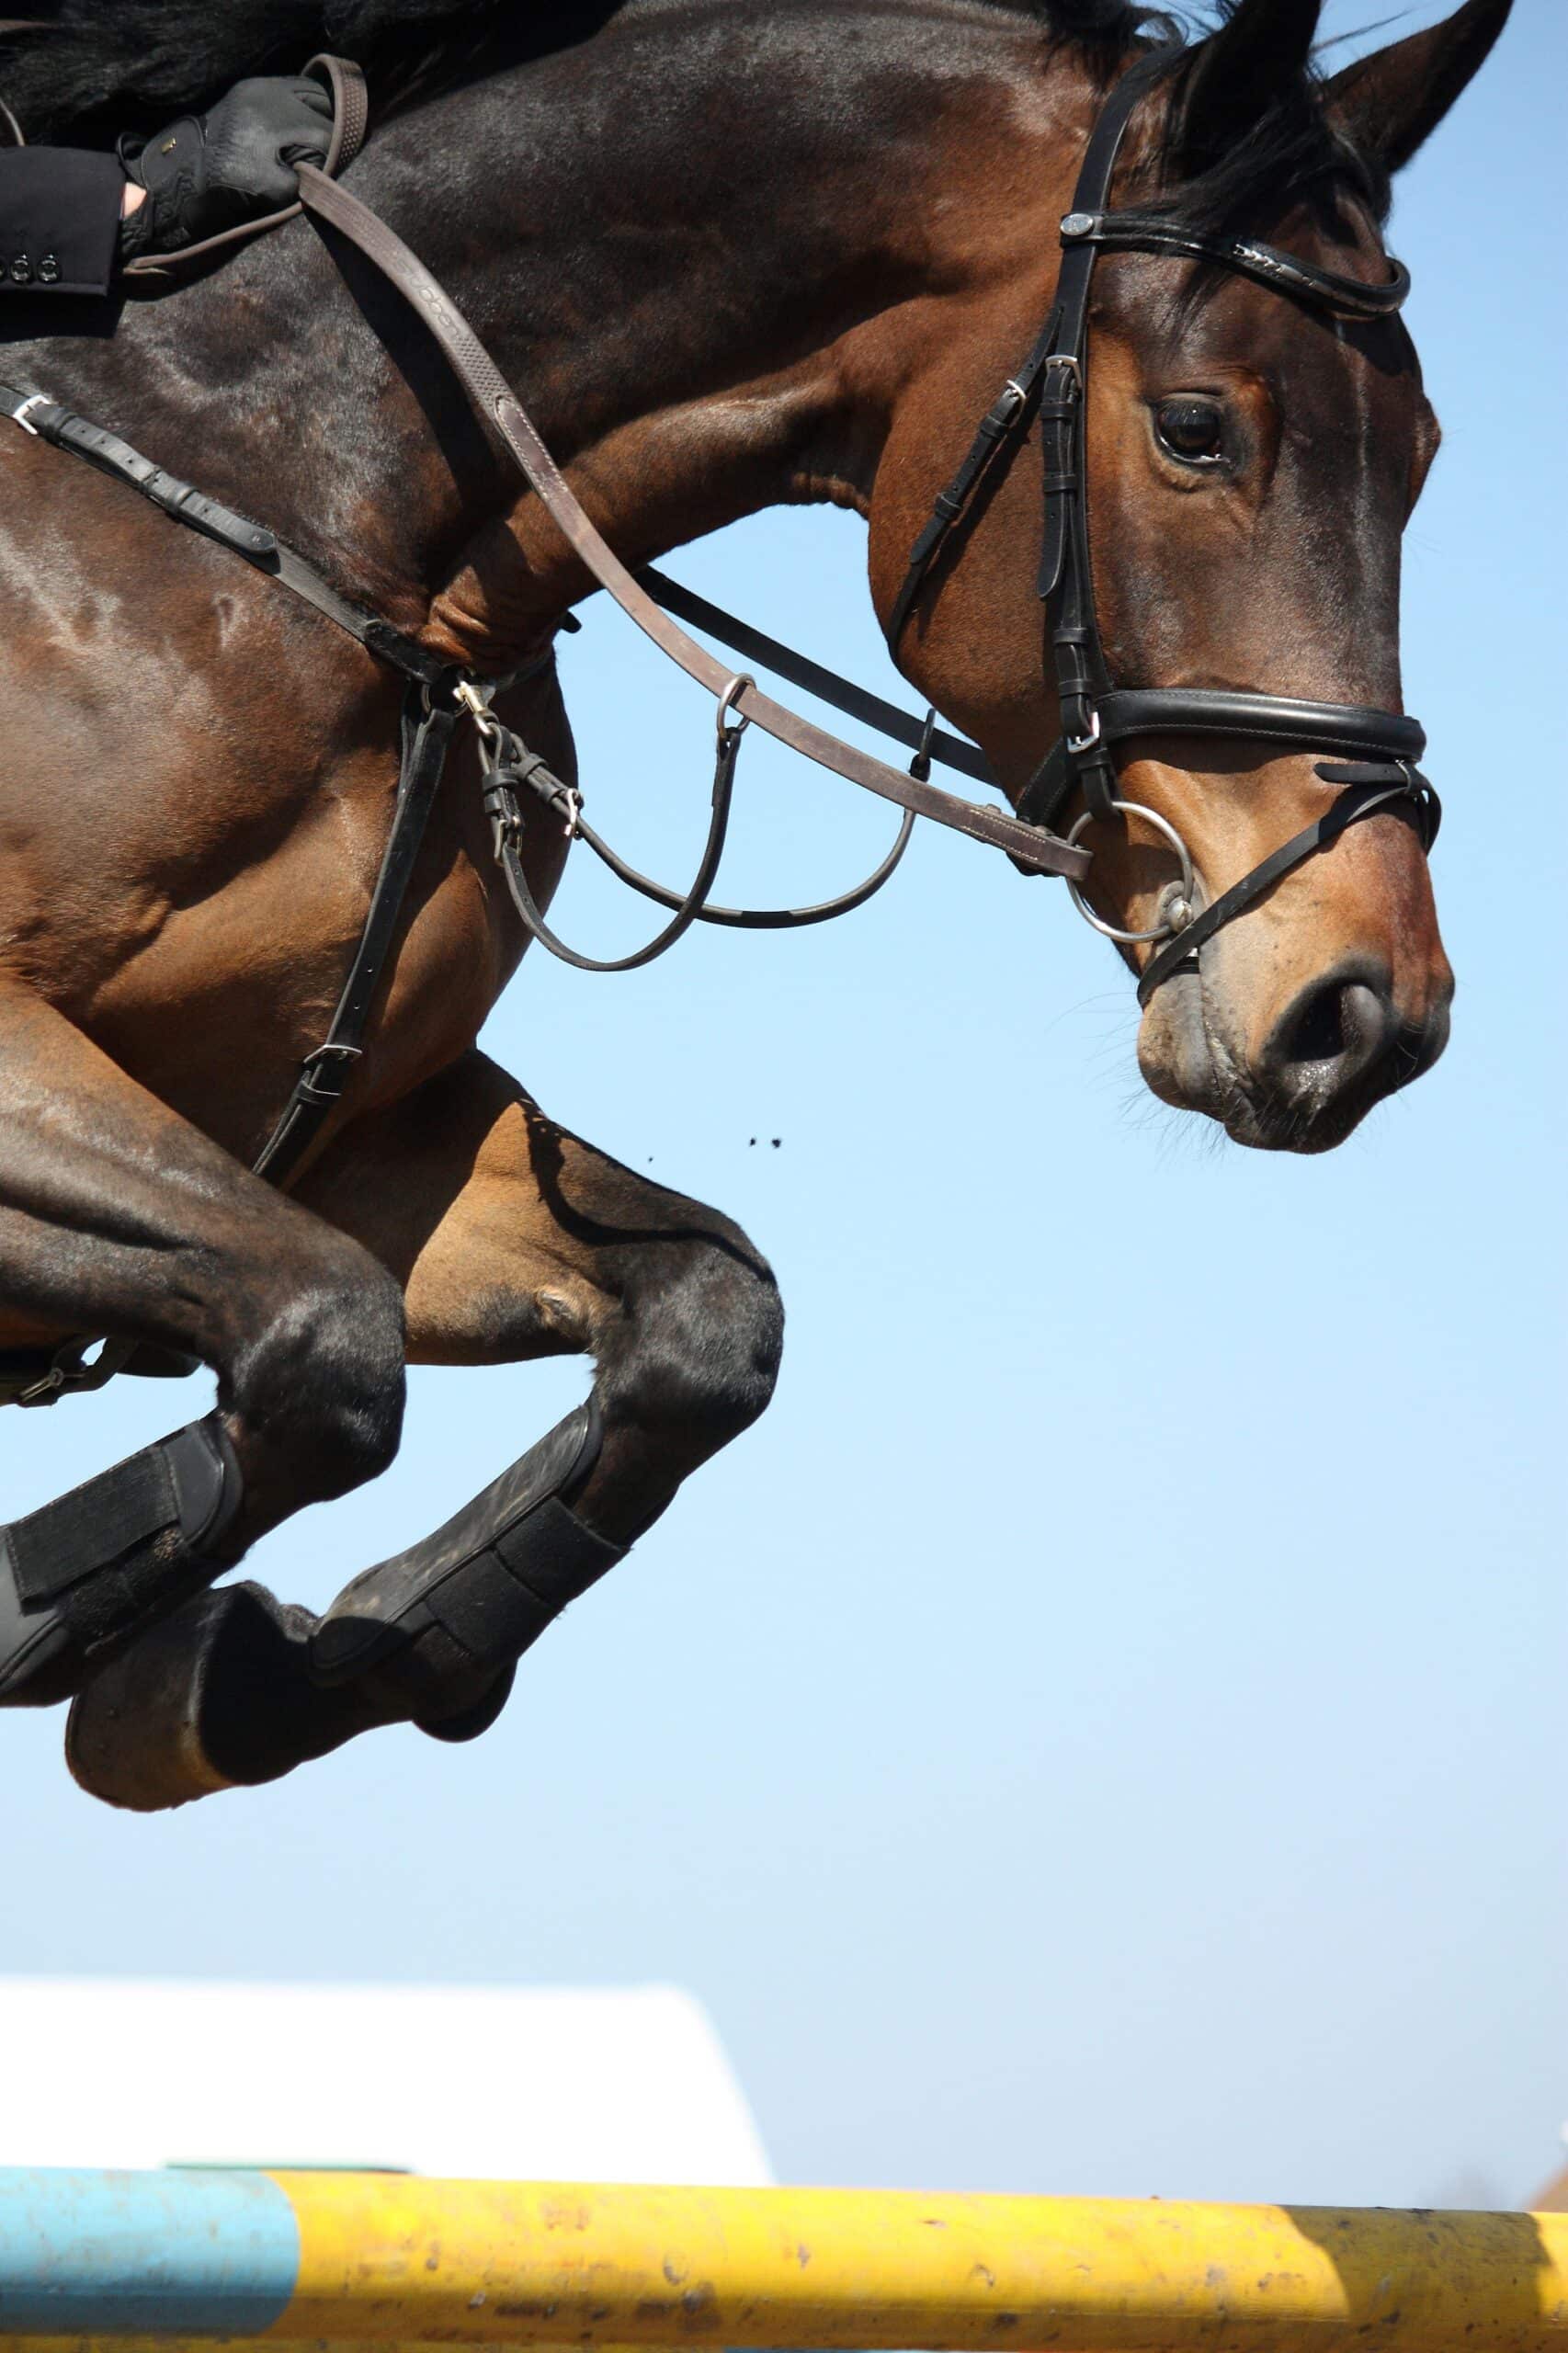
1249,464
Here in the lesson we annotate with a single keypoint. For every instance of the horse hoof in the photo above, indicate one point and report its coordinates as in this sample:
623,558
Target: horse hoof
209,1700
220,1696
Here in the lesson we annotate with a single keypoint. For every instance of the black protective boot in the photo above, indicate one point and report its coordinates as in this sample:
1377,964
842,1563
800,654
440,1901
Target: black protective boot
81,1577
473,1597
237,1688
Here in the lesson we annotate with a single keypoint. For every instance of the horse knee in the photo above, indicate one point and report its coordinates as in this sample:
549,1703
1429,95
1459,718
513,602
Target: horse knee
317,1390
696,1355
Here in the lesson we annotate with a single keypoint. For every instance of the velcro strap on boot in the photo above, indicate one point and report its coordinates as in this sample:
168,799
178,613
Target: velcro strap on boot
92,1527
501,1601
186,1483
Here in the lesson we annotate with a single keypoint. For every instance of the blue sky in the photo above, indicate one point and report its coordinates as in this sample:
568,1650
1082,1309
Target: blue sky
1102,1731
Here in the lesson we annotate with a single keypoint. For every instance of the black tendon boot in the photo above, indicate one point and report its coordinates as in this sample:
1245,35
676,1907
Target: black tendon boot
237,1689
90,1570
445,1623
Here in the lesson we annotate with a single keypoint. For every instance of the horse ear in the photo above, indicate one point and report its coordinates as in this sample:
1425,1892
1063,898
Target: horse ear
1237,73
1388,103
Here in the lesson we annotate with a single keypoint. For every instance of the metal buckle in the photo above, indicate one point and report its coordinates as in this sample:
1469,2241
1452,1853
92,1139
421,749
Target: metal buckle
308,1072
19,416
1078,745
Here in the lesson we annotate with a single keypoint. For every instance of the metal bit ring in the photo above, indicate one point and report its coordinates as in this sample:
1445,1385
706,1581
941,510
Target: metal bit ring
1165,930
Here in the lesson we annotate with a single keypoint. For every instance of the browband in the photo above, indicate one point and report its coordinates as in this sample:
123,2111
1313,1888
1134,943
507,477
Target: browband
1327,290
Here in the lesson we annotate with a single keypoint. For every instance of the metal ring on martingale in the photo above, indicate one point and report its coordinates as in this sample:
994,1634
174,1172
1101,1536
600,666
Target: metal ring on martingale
1166,930
737,685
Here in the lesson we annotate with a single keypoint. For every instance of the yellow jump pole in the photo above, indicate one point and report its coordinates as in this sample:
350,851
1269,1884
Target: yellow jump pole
346,2259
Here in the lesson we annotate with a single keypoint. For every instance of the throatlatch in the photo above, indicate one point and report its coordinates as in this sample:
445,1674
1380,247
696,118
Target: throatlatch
114,1554
481,1590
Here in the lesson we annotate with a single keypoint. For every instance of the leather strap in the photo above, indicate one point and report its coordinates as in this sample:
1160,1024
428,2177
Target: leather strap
1285,720
427,733
1326,290
1004,423
517,769
184,503
756,919
1066,575
927,742
501,807
499,410
1389,789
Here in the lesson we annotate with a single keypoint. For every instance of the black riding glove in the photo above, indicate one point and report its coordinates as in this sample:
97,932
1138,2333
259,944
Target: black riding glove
209,171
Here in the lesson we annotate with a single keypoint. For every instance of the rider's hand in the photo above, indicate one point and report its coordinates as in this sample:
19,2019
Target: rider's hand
209,171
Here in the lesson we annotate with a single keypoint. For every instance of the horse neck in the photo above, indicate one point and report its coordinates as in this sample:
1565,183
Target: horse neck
703,262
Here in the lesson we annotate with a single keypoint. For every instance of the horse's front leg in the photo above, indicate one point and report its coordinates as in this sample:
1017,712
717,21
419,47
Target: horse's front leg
515,1240
117,1217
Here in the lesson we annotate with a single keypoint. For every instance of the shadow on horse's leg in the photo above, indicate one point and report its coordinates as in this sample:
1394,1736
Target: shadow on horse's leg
514,1240
117,1217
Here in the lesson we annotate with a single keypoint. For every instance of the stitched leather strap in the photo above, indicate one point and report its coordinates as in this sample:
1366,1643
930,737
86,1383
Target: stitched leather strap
498,408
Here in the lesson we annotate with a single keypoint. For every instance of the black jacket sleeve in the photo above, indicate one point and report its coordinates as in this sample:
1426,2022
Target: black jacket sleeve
59,219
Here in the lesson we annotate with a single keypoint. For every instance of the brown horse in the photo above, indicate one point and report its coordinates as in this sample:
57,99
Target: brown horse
733,256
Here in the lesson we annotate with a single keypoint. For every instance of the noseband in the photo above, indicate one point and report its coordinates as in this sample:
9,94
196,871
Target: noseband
1374,751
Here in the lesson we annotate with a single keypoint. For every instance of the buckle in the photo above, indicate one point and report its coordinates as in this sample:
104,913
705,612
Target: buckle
310,1081
19,416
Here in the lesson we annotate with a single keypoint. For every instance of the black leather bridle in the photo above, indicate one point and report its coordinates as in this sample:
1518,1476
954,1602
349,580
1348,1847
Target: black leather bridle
1376,750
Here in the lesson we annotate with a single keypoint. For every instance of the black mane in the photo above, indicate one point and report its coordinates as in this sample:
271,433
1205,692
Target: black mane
81,71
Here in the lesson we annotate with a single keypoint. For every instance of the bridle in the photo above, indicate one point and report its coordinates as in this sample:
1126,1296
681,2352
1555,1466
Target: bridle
1376,749
1095,715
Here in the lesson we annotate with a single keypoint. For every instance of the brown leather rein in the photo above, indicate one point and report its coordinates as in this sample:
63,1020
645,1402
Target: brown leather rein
499,409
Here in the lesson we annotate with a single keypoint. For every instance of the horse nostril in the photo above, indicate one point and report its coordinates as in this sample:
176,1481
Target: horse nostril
1333,1034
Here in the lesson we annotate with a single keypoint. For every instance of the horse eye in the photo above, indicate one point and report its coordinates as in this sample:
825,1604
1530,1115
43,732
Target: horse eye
1190,429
